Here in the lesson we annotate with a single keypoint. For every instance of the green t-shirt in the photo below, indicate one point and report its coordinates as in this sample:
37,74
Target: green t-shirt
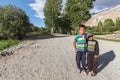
81,43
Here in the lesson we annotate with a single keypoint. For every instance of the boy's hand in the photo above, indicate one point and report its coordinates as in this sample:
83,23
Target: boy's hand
75,51
96,56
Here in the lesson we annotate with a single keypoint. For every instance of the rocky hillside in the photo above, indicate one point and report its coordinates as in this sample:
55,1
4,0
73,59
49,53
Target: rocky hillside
112,13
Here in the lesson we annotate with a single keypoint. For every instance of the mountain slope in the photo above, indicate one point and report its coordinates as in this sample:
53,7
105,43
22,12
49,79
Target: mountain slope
112,13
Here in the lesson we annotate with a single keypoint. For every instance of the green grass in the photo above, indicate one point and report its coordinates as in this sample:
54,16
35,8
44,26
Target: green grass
107,39
37,34
105,33
8,43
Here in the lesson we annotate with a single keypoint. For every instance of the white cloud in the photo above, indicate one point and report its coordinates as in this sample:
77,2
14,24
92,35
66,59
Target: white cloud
64,1
96,9
107,3
100,5
63,5
38,7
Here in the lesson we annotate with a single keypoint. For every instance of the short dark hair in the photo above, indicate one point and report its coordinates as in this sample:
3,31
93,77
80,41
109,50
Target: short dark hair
90,36
82,26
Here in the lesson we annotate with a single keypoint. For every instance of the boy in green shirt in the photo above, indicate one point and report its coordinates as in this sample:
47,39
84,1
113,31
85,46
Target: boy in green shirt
80,45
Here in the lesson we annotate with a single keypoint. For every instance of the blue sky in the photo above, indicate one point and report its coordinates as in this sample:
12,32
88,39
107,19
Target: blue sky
100,5
34,8
25,5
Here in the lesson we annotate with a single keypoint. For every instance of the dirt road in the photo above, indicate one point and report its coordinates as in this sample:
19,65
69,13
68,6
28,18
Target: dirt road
54,59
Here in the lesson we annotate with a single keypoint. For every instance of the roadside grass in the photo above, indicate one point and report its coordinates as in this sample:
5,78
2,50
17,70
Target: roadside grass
4,44
31,34
107,39
8,43
105,33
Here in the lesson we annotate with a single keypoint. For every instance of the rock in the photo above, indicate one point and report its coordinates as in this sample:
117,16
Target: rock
10,51
113,36
3,54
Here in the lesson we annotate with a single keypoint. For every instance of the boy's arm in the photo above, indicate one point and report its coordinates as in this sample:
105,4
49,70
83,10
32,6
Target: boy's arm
74,44
97,48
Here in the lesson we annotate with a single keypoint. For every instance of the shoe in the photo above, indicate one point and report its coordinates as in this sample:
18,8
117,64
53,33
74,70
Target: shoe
93,74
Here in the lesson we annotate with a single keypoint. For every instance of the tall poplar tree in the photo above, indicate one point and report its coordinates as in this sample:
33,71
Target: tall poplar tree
52,12
78,11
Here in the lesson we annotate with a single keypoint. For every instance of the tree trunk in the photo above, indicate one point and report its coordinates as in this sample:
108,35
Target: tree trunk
60,30
52,30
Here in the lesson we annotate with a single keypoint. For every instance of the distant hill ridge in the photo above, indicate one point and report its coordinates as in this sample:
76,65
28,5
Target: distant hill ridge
112,13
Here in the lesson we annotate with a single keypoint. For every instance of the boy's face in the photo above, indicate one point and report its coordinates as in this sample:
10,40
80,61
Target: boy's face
90,38
82,30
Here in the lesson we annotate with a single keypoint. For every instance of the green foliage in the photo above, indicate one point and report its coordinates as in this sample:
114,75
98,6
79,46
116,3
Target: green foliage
108,22
78,11
14,23
117,23
52,12
7,43
108,26
64,25
100,23
75,12
39,31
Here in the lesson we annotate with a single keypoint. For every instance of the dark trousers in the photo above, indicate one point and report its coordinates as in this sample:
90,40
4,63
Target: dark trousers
81,58
92,63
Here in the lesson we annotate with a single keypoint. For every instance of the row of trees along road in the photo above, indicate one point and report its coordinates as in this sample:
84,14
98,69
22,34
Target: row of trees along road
107,26
66,21
14,23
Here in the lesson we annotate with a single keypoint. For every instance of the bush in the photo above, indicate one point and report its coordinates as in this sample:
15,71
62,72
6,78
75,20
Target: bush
14,23
108,26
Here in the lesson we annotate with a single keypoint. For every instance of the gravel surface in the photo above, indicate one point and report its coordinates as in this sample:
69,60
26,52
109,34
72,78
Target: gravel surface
54,59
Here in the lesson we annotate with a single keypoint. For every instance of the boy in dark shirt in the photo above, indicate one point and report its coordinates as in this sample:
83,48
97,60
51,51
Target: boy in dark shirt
92,54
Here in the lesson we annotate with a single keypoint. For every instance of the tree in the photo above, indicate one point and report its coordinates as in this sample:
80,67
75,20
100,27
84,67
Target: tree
52,12
14,22
64,25
109,25
117,23
78,11
100,23
108,22
99,27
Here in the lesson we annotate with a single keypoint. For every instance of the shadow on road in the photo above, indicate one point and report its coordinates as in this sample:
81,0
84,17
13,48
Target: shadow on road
44,37
105,59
